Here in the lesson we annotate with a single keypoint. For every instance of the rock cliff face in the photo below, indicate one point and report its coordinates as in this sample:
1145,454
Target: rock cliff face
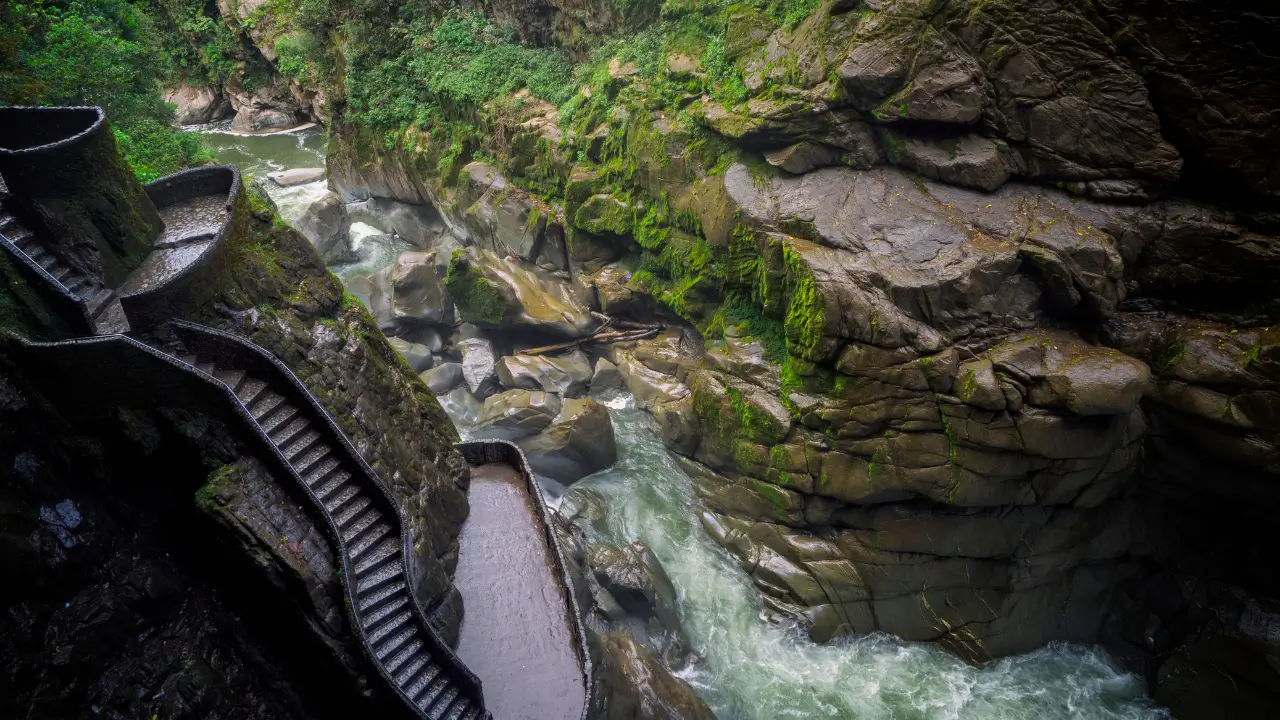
969,302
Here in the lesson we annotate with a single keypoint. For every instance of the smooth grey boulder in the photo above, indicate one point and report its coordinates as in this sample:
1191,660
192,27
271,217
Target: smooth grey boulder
418,356
516,414
296,176
479,365
577,442
326,224
418,288
567,375
443,378
420,225
606,377
461,406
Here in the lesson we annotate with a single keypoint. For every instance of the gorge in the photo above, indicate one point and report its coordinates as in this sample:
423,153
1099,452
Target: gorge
879,359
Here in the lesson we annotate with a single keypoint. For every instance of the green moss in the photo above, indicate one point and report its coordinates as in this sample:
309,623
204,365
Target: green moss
218,485
478,299
806,311
776,497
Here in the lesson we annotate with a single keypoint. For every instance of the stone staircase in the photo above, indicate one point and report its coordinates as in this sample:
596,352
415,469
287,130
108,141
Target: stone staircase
94,296
371,547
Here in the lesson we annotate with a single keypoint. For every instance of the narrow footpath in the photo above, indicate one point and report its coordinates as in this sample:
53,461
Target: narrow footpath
516,635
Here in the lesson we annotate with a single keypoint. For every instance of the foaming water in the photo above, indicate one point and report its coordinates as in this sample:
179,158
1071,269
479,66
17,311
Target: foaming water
752,670
375,251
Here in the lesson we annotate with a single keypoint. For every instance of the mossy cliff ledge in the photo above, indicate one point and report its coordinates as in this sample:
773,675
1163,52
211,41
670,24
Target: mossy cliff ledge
945,307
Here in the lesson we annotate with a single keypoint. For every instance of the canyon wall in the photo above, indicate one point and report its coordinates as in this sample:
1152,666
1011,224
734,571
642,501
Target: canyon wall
970,303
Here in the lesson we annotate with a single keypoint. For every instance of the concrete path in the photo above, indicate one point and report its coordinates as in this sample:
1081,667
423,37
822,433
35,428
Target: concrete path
516,635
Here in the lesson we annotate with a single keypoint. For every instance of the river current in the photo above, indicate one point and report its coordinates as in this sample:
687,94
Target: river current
747,668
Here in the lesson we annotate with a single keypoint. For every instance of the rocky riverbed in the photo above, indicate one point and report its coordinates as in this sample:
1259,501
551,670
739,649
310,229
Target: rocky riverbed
649,527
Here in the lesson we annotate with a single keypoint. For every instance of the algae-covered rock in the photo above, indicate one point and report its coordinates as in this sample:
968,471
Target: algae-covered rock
493,292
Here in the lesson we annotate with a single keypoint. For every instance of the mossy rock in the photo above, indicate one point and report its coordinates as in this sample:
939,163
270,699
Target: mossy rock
477,298
603,214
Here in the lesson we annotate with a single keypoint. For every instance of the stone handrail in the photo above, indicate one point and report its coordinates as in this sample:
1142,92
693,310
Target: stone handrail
198,281
242,353
486,452
151,376
69,307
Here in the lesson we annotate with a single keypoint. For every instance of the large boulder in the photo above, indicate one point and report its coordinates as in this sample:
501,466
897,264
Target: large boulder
508,221
418,291
417,355
296,176
418,224
326,224
577,442
268,107
516,414
443,378
479,365
567,375
491,291
197,104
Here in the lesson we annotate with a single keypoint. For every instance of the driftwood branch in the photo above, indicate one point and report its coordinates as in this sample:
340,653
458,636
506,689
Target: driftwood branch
600,336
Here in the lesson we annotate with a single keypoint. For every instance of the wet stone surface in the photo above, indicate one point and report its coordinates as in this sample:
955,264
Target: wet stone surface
189,219
163,264
515,634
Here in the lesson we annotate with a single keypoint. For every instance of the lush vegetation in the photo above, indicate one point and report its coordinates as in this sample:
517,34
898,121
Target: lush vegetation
96,52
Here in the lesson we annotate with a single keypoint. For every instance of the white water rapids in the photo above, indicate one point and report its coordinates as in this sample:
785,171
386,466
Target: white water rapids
752,670
749,669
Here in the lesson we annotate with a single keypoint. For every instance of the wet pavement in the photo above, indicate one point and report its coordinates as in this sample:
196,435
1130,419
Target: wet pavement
515,634
190,227
192,218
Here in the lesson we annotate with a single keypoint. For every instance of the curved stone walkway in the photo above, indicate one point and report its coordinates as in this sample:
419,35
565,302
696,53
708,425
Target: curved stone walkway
516,634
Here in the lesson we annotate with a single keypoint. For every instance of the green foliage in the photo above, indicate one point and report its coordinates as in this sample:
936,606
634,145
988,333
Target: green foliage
293,51
154,149
768,331
806,312
96,52
449,69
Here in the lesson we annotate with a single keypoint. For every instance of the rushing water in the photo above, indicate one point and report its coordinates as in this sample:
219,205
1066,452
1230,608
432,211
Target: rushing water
754,670
257,155
750,669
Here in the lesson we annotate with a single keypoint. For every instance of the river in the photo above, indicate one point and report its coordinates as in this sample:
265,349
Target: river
750,669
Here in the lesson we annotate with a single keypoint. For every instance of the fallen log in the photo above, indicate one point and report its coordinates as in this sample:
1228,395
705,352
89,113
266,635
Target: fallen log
598,338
